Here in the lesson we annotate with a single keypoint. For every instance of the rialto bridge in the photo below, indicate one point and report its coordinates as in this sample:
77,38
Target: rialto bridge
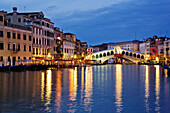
118,53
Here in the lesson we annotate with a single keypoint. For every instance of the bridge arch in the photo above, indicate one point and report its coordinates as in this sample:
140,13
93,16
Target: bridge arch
117,51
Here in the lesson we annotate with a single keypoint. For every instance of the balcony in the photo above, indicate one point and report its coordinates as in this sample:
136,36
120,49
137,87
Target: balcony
34,24
36,45
17,26
14,50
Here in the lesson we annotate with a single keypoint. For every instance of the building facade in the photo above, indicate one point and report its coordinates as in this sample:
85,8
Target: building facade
15,42
58,43
42,30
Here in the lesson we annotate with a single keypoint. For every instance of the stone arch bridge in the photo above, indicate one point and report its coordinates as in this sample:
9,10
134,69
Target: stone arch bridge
118,52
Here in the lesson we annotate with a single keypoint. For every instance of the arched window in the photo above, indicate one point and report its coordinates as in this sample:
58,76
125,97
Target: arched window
123,52
97,56
112,52
104,54
130,54
142,57
108,53
93,57
19,19
100,55
138,56
134,55
127,53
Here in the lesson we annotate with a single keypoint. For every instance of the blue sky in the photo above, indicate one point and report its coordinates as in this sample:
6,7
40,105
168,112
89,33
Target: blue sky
102,21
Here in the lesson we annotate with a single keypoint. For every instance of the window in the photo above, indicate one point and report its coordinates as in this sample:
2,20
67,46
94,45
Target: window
18,47
8,35
36,51
9,20
33,50
19,19
14,47
14,37
29,48
24,47
40,41
9,59
18,36
36,30
43,23
24,20
33,30
39,31
1,18
34,40
47,25
30,58
8,46
54,48
18,58
30,38
1,34
1,46
24,37
1,58
24,58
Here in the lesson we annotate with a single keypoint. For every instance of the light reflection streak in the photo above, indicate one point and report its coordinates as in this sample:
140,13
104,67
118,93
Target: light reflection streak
75,83
48,89
147,87
88,88
118,88
42,85
157,88
58,90
72,84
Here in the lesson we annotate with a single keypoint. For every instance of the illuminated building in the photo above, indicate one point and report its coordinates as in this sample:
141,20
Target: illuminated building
15,41
58,43
42,30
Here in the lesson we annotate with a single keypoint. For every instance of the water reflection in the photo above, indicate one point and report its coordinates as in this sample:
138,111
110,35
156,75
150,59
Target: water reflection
48,90
72,84
118,88
88,88
157,88
42,85
58,90
147,87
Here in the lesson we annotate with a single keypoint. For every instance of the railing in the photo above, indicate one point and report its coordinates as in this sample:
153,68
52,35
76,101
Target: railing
14,50
18,26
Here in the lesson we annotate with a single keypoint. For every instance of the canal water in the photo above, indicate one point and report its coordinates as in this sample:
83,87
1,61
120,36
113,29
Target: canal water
97,89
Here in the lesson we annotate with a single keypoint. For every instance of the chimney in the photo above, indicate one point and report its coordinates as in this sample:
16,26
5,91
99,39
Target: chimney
14,9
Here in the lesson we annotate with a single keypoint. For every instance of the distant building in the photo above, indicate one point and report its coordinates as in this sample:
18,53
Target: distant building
15,41
130,45
69,41
155,47
142,47
167,49
58,43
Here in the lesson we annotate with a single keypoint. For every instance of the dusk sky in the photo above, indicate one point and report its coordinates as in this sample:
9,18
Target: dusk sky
102,21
